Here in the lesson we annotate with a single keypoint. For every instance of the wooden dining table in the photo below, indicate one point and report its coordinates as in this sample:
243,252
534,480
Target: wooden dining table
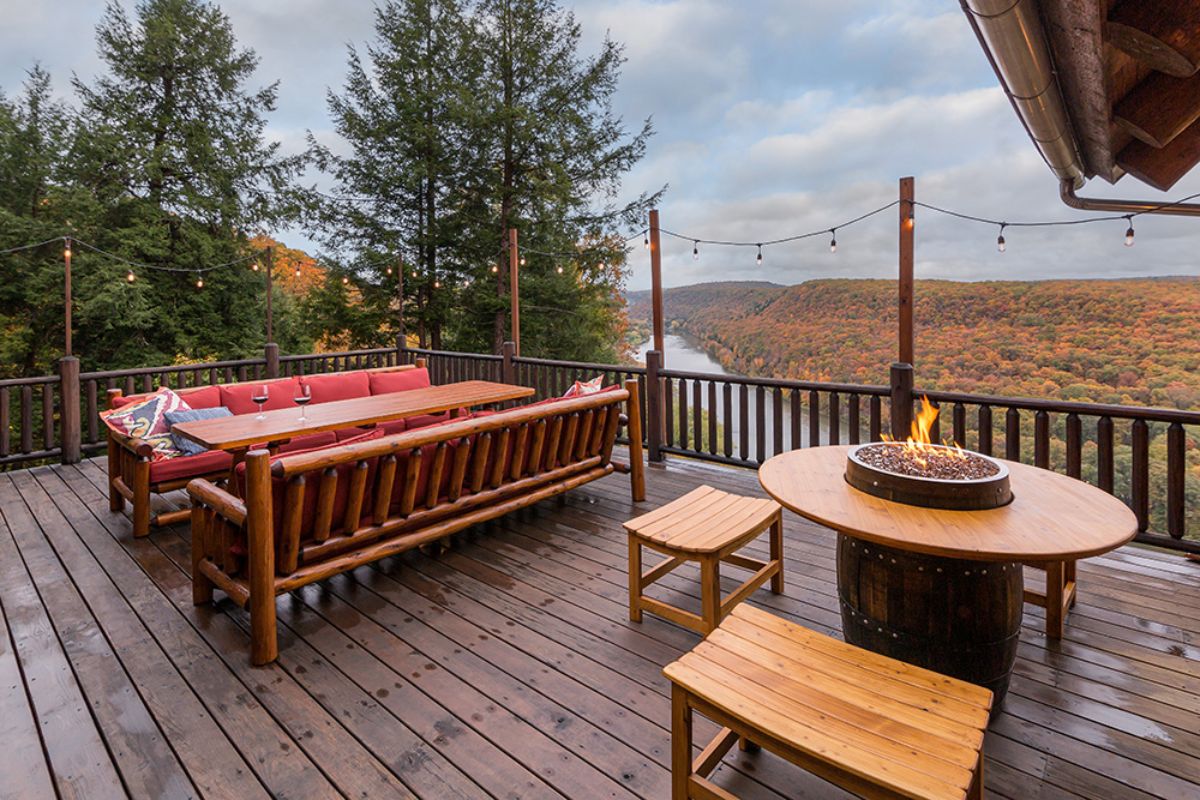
938,588
238,434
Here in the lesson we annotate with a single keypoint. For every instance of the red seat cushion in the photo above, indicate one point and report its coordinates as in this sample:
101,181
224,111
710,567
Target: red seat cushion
309,441
337,386
174,469
343,434
281,394
425,420
393,427
400,381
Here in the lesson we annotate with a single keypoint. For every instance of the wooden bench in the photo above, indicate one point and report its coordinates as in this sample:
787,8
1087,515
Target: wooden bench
708,526
871,724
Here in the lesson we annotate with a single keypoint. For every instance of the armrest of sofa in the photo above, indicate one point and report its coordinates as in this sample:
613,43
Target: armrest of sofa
228,506
135,445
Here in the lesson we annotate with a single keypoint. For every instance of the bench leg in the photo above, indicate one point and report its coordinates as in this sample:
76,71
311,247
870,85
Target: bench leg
777,553
710,592
141,498
681,743
202,587
635,580
747,746
976,790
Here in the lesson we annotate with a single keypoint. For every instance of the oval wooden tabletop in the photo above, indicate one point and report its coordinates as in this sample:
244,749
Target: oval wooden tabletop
1051,518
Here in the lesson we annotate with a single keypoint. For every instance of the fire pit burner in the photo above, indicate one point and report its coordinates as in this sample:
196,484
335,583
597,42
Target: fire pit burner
929,475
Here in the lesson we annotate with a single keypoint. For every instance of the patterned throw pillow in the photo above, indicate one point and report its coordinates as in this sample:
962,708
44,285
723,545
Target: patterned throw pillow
184,444
146,418
582,388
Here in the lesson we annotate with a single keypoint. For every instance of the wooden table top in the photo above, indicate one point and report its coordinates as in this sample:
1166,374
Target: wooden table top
1051,518
244,430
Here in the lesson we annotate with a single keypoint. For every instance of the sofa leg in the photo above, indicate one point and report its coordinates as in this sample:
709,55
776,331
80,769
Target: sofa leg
116,501
141,498
264,641
202,587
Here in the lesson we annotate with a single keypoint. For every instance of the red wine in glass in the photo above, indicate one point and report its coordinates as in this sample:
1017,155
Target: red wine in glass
260,397
302,398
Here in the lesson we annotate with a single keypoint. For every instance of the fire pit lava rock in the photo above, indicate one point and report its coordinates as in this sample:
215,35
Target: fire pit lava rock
929,475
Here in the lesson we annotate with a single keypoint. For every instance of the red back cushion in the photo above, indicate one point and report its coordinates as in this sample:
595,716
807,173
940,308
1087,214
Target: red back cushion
401,381
236,396
337,386
202,396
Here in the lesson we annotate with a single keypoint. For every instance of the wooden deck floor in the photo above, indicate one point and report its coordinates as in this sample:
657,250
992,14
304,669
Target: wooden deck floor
505,667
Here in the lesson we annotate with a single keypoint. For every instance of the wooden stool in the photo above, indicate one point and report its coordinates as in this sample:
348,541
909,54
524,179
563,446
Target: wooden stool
1059,597
708,526
868,723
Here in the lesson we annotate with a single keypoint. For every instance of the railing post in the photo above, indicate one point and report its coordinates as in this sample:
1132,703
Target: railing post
271,354
654,405
69,429
902,399
508,368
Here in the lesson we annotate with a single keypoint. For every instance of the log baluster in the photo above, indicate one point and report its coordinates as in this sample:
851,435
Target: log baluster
814,418
326,492
875,422
385,483
1041,439
853,418
354,502
1176,475
1104,454
985,430
712,417
293,516
1140,472
835,418
1012,434
797,415
776,421
1074,446
744,422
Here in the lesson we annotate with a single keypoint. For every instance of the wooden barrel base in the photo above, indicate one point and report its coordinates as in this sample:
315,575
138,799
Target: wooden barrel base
958,617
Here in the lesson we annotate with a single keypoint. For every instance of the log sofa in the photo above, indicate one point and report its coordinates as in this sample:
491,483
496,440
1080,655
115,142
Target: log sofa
134,474
306,516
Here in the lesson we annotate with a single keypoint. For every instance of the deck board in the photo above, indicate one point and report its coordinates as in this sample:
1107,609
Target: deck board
503,667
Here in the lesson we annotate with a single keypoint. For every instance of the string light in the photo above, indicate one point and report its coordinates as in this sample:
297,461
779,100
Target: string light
254,266
522,262
67,249
560,269
601,266
130,277
696,251
495,269
437,284
1001,245
199,281
297,270
646,240
833,240
345,280
389,270
759,258
1129,232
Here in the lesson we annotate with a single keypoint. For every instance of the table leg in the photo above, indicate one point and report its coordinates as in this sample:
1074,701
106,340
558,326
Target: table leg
231,482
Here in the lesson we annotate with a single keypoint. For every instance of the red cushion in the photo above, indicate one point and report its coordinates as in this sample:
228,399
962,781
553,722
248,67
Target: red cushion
337,386
343,434
310,441
399,381
174,469
202,396
425,420
281,394
393,427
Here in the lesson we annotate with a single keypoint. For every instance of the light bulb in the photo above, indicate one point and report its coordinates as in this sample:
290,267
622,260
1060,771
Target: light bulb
495,269
645,241
560,269
1129,233
696,251
66,252
522,262
345,280
254,266
833,240
759,258
297,272
1001,245
437,284
601,265
389,270
199,281
130,277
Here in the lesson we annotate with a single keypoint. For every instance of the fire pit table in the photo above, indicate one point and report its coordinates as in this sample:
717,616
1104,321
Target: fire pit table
936,587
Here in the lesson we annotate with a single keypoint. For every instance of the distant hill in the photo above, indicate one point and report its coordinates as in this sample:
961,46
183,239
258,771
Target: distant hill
1122,341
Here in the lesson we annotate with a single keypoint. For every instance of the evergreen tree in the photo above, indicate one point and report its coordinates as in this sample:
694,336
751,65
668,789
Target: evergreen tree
554,149
171,148
402,113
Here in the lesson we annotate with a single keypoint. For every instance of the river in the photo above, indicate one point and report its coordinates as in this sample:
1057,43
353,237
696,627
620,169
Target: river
686,355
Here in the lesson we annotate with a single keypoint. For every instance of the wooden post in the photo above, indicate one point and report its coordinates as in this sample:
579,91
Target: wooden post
269,264
654,405
401,336
69,429
656,288
259,534
514,289
271,354
902,397
637,470
508,370
67,295
906,270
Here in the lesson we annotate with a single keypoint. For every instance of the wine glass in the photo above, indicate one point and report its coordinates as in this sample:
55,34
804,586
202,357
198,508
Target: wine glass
302,398
260,396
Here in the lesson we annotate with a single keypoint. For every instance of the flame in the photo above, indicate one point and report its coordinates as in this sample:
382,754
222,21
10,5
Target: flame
919,445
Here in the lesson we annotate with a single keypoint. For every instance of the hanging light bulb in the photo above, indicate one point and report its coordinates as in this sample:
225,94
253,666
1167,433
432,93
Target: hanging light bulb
833,240
495,269
297,270
67,250
560,269
696,250
522,262
759,259
254,266
389,270
1129,232
129,276
345,280
199,281
601,266
646,240
437,284
1001,245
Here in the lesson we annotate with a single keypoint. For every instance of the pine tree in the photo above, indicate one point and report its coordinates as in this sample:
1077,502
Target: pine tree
401,112
555,148
171,148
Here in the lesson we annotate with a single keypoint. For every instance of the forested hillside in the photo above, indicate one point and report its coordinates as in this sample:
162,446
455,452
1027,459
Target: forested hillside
1119,341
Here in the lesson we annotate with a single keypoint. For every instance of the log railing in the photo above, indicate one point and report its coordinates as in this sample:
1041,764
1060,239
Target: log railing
1146,456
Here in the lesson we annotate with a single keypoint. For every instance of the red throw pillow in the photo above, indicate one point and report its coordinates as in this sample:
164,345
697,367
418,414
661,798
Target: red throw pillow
337,386
280,394
400,381
202,396
582,388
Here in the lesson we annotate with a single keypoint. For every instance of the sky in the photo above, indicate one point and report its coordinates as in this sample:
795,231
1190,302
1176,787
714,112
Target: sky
772,118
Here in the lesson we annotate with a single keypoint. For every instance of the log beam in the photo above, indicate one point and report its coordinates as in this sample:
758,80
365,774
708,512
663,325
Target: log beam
1159,108
1159,34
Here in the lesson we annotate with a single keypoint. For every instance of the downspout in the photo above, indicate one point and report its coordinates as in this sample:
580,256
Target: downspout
1012,37
1066,190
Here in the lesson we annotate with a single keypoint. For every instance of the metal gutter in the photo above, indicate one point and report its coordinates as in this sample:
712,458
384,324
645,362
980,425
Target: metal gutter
1012,37
1066,190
